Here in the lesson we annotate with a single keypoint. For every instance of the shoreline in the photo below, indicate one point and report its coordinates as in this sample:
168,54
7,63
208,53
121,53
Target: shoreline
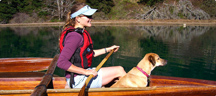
123,23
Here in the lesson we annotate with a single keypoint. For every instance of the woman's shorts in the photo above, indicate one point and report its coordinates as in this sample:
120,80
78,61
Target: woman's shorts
79,80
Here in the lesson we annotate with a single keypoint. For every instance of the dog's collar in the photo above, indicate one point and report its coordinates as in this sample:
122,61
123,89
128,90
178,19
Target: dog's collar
143,71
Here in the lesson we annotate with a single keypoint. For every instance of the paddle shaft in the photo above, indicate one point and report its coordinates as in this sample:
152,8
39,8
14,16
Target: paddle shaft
82,91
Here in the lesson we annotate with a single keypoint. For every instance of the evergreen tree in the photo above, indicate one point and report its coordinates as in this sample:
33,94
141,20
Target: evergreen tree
102,5
9,7
6,11
150,2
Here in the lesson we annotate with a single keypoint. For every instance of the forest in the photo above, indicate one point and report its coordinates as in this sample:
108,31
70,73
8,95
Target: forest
30,11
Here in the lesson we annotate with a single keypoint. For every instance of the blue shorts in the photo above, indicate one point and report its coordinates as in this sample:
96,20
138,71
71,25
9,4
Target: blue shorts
79,81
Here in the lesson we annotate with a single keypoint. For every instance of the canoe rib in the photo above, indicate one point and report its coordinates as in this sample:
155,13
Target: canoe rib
46,82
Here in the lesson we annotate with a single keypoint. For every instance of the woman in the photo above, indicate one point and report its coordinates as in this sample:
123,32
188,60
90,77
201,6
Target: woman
76,51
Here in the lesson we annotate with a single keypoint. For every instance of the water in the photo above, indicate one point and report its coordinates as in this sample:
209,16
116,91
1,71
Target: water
190,51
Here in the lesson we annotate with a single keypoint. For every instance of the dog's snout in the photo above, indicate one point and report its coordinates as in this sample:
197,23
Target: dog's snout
165,62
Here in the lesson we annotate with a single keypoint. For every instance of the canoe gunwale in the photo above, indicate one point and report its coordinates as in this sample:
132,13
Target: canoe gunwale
92,90
19,64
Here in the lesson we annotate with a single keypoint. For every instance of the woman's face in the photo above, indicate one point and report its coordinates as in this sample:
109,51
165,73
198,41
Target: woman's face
83,21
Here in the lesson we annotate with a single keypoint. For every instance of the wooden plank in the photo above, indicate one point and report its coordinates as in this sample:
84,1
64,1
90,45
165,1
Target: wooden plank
59,82
24,83
159,81
145,91
21,74
18,83
168,81
24,64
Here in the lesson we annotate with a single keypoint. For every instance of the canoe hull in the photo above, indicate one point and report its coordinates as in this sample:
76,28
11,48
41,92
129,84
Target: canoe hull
160,86
152,91
18,82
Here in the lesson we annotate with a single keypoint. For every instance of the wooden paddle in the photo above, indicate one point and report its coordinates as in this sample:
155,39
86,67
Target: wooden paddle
83,91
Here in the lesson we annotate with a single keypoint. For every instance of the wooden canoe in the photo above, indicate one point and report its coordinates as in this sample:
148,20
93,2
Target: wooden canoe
159,86
24,64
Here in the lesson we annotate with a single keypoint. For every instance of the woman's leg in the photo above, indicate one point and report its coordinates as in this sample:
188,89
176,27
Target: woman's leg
110,73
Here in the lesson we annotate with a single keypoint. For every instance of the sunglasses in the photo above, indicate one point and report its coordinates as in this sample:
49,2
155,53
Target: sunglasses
90,17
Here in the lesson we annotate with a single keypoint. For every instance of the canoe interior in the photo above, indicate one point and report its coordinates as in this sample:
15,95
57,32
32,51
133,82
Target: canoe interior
24,64
162,91
143,91
25,73
28,83
26,80
174,81
22,82
22,74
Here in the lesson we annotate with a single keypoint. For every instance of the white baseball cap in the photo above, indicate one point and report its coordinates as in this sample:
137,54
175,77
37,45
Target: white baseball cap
86,10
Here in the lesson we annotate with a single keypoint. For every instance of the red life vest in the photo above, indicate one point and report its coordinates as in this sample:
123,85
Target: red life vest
83,55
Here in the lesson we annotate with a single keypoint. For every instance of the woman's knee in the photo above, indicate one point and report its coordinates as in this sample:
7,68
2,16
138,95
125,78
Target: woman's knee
121,71
114,71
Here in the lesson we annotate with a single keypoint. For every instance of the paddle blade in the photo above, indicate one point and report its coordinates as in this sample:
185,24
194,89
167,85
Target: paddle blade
83,91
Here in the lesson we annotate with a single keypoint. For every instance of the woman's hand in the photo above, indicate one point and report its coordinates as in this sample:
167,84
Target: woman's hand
83,71
91,71
112,47
105,50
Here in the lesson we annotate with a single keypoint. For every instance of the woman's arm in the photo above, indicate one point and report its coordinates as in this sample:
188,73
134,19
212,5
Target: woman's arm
83,71
105,50
72,41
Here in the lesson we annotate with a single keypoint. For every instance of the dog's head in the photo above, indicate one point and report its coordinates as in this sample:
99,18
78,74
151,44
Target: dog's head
155,59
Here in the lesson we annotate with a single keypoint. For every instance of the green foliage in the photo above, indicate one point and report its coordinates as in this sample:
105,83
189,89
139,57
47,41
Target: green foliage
123,9
9,7
209,6
102,5
6,11
127,5
181,15
28,5
171,9
43,14
150,2
55,19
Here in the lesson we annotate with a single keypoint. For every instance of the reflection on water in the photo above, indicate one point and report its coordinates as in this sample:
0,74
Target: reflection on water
190,51
28,42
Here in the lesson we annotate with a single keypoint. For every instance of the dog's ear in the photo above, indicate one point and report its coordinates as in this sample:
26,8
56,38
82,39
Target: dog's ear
152,60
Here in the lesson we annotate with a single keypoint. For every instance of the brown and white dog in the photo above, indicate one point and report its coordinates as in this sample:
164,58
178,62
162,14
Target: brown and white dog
138,76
